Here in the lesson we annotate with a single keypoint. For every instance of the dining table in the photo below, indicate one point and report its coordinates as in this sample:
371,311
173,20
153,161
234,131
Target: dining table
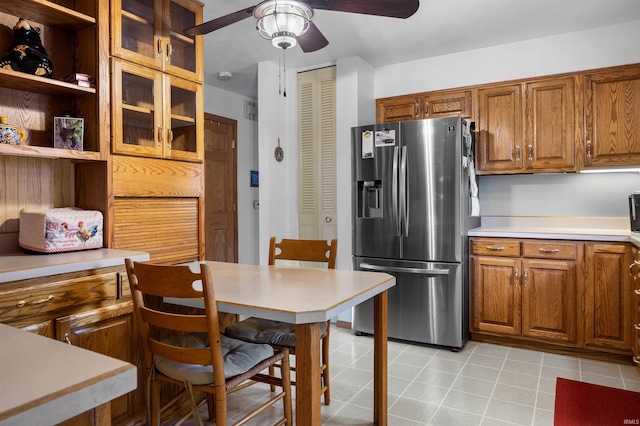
306,297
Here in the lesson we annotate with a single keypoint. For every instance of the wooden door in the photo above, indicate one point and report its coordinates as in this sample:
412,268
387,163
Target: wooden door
612,118
108,331
499,145
496,295
608,314
221,195
399,108
549,125
549,300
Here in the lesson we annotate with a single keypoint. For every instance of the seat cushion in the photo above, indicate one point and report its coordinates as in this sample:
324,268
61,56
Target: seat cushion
238,357
258,330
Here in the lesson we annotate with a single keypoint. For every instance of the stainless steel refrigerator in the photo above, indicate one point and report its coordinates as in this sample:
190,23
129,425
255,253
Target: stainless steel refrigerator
412,197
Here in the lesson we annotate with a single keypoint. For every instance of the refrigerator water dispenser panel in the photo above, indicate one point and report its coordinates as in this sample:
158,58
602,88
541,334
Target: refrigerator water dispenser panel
370,198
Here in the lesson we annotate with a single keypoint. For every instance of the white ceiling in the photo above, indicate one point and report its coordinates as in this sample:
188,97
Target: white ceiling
439,27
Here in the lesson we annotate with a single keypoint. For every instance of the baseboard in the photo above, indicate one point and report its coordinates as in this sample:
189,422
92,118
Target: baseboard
343,324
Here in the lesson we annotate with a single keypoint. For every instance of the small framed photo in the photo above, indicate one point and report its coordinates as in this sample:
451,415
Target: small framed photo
68,133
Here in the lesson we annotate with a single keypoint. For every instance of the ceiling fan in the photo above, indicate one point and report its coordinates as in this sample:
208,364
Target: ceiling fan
289,22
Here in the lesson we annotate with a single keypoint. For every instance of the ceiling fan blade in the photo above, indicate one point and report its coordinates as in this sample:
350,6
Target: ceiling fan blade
221,22
390,8
312,40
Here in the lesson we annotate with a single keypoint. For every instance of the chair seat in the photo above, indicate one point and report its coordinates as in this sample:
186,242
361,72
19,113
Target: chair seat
238,356
258,330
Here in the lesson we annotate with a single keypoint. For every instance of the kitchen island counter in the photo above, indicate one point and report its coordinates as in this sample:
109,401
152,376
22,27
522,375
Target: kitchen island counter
45,381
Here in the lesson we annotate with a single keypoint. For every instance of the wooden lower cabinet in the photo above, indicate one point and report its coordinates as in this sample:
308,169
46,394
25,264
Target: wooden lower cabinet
608,313
634,273
84,309
524,297
570,297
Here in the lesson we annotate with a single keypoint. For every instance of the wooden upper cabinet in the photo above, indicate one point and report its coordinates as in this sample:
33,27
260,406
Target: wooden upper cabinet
499,126
400,108
443,103
612,117
549,125
446,104
150,33
526,127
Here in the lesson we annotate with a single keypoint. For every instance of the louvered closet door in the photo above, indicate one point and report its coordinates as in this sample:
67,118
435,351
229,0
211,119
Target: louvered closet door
317,154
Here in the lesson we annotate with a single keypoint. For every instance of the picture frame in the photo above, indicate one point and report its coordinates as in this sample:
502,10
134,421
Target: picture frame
68,133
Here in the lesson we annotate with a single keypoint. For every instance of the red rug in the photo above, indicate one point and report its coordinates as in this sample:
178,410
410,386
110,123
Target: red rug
579,403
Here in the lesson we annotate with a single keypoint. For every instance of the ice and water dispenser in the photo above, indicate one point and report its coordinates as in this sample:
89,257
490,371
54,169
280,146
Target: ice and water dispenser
370,199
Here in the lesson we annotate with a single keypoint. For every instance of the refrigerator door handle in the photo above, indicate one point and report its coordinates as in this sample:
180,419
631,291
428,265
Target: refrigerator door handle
394,190
404,193
370,267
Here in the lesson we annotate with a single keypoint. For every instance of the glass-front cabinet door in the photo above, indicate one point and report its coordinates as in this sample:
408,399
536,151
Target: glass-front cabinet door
185,119
150,33
137,118
183,53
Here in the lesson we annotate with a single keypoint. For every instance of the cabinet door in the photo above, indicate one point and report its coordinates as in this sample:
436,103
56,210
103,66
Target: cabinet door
109,331
612,108
398,109
499,145
634,272
447,104
549,300
137,116
608,297
184,119
183,54
549,125
496,295
136,31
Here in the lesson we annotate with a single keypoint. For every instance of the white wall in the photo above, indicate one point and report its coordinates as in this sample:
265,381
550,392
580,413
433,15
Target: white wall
230,105
278,180
603,195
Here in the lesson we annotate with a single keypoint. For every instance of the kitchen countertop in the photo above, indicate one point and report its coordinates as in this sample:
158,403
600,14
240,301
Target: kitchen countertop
22,266
562,227
46,381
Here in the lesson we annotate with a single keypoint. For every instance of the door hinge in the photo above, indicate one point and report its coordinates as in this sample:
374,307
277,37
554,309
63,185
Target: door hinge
233,144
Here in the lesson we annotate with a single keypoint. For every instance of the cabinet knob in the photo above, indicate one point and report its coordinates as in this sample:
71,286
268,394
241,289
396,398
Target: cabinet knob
517,153
516,276
530,152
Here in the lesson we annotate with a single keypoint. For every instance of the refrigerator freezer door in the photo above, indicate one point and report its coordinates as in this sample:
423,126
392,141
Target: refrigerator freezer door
427,304
376,225
433,190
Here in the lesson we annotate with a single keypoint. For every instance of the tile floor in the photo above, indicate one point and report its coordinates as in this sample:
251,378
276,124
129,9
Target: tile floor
483,384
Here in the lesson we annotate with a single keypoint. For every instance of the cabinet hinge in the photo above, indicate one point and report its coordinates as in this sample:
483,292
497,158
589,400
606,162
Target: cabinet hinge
233,144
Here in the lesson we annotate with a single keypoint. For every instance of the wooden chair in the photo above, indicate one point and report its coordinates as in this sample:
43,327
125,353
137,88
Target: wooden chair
189,350
282,335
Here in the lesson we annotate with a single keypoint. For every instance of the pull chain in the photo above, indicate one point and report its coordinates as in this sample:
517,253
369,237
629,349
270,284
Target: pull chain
284,73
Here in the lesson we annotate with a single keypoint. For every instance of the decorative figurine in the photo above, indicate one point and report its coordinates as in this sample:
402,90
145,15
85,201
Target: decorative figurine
26,52
10,134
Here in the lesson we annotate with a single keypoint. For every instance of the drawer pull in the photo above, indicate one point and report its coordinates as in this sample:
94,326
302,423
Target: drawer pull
22,303
66,338
495,248
636,360
636,291
542,250
636,326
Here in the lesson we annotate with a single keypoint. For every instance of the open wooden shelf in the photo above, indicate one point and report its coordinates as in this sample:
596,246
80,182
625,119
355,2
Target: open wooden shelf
47,13
45,152
48,86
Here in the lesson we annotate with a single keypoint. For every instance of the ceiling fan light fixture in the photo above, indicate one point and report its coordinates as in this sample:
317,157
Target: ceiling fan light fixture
281,21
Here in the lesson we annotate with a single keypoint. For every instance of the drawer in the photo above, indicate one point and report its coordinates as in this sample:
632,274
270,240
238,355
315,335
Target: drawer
42,298
494,247
549,250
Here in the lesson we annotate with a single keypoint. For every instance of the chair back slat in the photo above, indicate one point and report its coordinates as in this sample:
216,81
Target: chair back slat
177,322
178,354
304,251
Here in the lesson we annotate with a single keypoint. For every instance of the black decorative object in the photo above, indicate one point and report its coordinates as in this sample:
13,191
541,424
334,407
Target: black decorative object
27,54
